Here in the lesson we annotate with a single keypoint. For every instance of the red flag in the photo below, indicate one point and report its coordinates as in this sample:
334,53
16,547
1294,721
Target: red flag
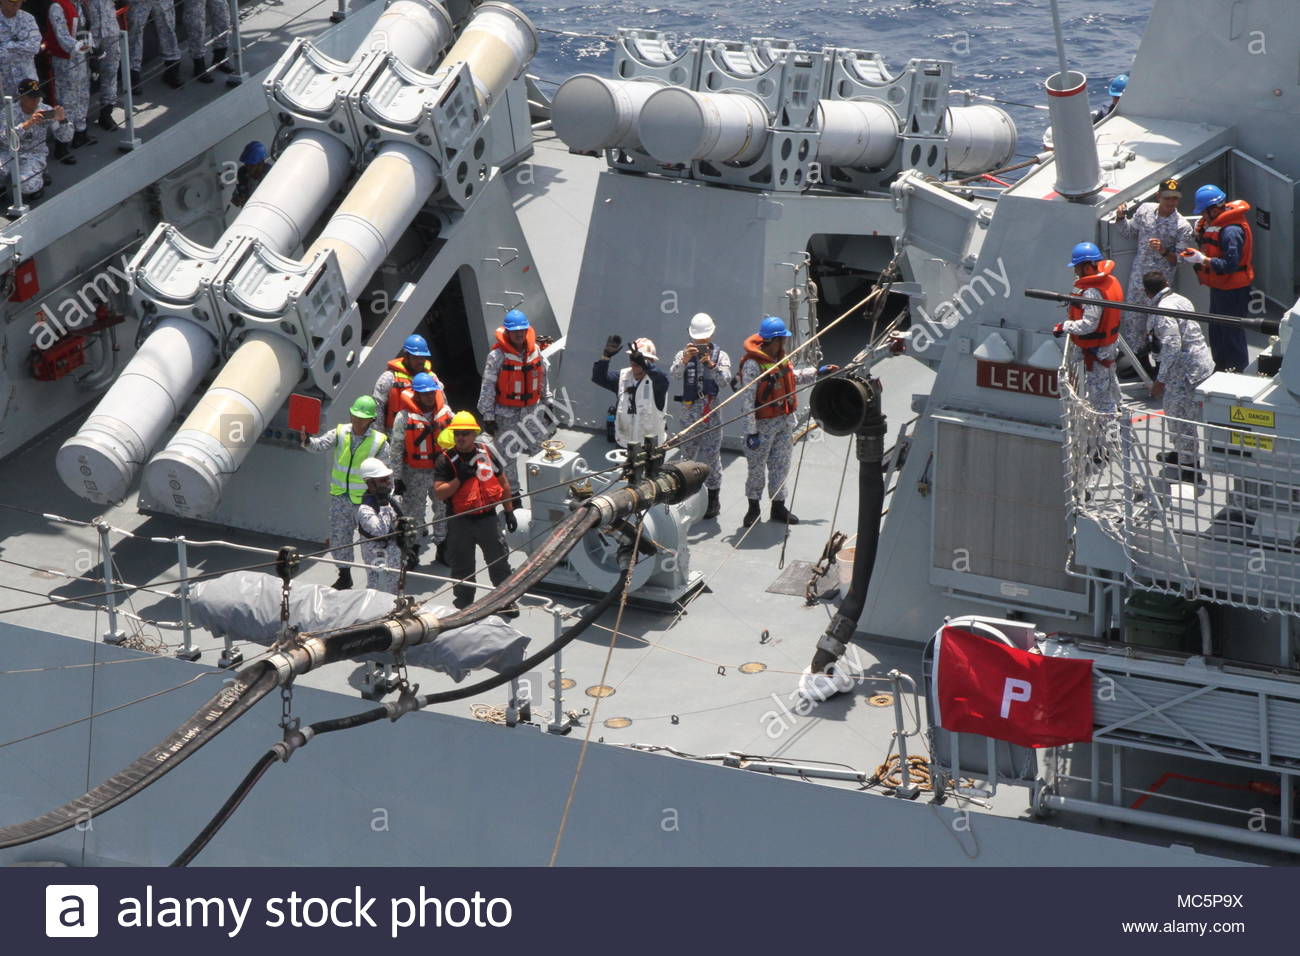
984,687
304,414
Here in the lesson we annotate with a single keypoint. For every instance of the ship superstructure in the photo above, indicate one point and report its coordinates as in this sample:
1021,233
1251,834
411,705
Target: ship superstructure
423,182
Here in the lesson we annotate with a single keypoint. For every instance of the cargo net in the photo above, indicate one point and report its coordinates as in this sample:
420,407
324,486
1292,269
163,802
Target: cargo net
1220,522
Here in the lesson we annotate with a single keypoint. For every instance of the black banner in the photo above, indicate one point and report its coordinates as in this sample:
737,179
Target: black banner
644,910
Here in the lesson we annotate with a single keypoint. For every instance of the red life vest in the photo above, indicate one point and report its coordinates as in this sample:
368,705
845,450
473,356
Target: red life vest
1207,235
774,395
1107,330
483,490
52,45
519,383
421,435
401,386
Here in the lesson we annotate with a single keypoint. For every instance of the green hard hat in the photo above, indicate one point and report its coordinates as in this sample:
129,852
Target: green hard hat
363,407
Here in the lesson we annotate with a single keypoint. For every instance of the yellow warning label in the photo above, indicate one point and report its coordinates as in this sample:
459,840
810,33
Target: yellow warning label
1247,440
1241,415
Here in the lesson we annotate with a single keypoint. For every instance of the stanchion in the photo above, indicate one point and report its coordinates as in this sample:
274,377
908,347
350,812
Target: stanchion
188,651
113,635
130,141
16,206
236,53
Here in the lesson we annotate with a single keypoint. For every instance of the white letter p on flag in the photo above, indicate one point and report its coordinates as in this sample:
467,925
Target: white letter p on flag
1014,690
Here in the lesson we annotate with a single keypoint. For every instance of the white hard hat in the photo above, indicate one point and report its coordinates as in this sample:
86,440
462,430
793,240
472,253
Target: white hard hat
646,348
702,326
374,468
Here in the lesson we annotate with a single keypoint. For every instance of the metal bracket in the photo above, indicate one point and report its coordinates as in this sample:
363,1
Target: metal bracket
306,303
174,275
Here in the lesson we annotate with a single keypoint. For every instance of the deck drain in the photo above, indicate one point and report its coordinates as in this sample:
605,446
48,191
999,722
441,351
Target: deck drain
753,667
880,700
599,691
566,683
618,723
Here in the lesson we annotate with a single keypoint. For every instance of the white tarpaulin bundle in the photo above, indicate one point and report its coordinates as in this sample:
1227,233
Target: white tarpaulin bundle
246,605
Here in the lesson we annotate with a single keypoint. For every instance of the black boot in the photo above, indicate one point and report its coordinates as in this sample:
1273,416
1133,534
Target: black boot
201,70
714,505
781,513
172,74
137,83
63,154
344,581
81,138
219,60
106,121
752,514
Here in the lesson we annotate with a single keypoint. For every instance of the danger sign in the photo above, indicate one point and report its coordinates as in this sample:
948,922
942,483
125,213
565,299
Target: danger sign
1244,415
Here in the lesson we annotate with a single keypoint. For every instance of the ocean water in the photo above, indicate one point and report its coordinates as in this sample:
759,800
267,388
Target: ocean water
1000,48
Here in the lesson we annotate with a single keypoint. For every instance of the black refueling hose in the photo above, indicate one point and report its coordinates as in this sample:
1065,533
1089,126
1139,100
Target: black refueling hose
222,709
674,483
589,616
849,404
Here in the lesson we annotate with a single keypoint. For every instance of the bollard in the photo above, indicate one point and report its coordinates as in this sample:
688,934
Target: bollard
16,207
130,141
187,652
236,52
113,635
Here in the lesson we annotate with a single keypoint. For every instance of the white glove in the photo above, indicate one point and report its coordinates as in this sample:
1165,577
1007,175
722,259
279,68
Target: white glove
83,47
1195,257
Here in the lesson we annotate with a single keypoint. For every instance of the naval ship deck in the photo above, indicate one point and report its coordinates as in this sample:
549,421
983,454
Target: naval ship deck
677,679
265,28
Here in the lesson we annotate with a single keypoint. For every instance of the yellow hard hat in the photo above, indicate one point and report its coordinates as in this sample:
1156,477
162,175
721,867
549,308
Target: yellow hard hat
464,422
446,439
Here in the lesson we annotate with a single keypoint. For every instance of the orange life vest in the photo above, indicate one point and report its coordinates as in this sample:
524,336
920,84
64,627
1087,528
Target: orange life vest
480,492
519,383
422,428
1107,330
1207,235
774,395
401,386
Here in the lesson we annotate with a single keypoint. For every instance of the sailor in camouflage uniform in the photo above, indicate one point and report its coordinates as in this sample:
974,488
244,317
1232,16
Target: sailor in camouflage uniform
424,413
20,41
207,20
1184,362
37,120
769,408
702,368
68,54
376,519
352,444
515,399
1095,329
1161,233
107,35
163,14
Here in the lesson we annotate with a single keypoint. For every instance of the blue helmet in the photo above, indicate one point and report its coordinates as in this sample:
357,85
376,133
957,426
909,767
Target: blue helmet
773,328
515,321
1118,85
426,382
1085,252
415,345
1208,196
254,153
